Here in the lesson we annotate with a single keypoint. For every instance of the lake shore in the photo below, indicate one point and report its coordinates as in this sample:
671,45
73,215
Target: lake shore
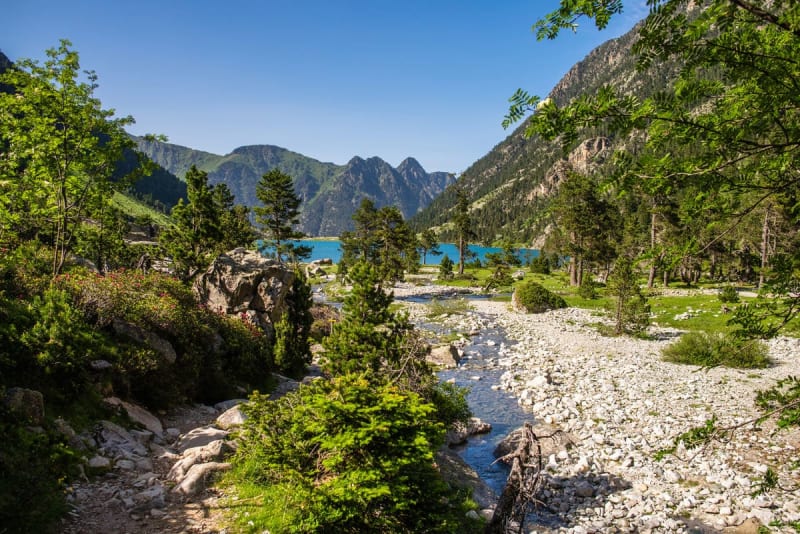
621,404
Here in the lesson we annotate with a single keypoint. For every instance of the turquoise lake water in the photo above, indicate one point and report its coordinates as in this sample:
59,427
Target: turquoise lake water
330,249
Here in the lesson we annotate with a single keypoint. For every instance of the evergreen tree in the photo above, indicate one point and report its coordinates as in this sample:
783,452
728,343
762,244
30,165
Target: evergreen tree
428,244
463,227
369,336
235,227
292,351
631,312
195,235
279,211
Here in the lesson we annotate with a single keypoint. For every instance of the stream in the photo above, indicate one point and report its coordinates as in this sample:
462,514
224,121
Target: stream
478,372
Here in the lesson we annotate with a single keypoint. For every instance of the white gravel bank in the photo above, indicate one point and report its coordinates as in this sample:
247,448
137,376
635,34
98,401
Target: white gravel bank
621,403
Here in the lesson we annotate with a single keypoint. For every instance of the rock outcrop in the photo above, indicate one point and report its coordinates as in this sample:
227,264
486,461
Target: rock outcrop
245,282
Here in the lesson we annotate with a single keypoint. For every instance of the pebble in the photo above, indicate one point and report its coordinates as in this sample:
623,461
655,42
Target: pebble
623,404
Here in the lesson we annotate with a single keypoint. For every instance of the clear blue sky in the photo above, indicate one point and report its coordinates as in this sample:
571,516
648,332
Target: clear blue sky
330,79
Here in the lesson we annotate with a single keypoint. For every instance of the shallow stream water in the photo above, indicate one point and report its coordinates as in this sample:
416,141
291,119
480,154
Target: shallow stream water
478,372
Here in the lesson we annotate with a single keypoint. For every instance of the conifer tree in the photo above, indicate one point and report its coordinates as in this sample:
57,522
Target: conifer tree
279,211
195,234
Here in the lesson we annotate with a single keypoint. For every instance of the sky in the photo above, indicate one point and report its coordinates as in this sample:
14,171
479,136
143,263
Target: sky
330,79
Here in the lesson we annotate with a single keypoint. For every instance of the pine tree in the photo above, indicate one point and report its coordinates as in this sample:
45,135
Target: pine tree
279,212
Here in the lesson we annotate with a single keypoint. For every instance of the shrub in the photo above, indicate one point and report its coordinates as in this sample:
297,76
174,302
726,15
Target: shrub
632,311
446,268
438,308
535,298
33,468
540,265
351,455
710,350
588,288
728,294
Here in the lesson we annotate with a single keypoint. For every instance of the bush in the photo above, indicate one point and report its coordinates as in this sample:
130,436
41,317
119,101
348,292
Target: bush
728,294
587,289
540,265
348,454
535,298
711,350
446,268
33,469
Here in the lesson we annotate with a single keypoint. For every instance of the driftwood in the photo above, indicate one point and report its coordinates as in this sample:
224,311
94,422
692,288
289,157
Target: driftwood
522,485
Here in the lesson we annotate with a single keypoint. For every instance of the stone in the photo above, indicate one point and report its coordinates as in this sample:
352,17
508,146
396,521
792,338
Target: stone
199,437
584,489
163,347
138,415
228,404
243,281
444,355
100,365
198,477
117,441
212,452
25,403
99,464
537,382
231,418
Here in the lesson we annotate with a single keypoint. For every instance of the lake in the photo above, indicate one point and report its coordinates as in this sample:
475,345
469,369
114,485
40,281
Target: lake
329,248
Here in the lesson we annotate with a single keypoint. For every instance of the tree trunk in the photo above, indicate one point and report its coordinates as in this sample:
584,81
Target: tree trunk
460,255
764,246
652,276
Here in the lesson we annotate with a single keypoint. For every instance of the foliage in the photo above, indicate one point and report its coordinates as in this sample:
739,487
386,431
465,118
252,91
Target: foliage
428,243
693,438
728,294
34,467
194,238
214,353
462,222
358,456
61,149
588,288
540,264
501,277
381,237
784,398
711,350
438,308
446,268
369,336
534,298
631,312
279,212
292,351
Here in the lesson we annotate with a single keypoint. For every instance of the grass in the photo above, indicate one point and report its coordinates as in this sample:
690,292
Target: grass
447,307
135,208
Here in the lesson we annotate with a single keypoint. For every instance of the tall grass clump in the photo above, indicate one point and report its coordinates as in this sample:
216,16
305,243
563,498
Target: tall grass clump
717,349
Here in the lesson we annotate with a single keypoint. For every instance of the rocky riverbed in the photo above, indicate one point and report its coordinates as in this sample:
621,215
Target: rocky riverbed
621,404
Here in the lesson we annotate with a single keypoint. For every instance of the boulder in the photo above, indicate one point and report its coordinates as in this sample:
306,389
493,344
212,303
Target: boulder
213,452
163,347
26,403
231,418
199,477
459,432
115,441
199,437
445,356
139,415
245,282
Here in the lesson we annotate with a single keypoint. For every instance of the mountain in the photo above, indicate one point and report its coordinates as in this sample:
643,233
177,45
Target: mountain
330,193
510,187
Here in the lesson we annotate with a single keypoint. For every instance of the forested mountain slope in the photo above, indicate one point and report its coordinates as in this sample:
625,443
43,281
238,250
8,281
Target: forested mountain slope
509,187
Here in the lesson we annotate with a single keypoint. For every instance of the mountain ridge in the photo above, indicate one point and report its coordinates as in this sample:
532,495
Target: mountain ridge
330,193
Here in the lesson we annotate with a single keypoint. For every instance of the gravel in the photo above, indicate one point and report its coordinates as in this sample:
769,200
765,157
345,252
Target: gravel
622,404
